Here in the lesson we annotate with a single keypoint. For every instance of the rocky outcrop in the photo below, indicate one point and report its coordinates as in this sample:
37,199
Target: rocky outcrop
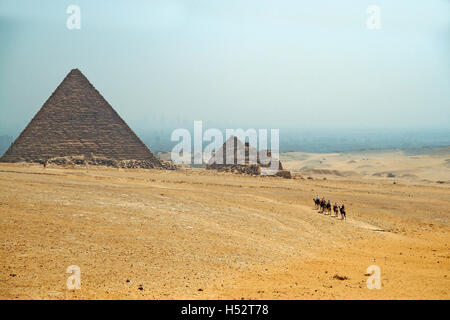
101,161
253,169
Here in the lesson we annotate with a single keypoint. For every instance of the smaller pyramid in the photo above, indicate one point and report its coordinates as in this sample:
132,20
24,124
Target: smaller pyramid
239,157
77,124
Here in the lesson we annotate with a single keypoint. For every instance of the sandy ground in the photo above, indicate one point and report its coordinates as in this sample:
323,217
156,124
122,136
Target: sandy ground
196,234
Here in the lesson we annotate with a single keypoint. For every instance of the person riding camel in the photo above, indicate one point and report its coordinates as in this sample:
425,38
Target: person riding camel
343,214
323,204
316,202
328,206
336,209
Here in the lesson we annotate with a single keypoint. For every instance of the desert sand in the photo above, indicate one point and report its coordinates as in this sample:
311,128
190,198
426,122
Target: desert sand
409,165
199,234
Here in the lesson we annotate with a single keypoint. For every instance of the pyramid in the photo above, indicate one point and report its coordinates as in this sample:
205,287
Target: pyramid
76,121
239,157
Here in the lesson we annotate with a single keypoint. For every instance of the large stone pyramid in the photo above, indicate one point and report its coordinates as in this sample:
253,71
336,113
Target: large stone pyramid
76,121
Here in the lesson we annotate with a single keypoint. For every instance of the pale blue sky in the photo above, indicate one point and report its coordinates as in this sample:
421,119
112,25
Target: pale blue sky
253,63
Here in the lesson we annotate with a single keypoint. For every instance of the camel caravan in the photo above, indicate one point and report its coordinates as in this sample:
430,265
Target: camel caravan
324,206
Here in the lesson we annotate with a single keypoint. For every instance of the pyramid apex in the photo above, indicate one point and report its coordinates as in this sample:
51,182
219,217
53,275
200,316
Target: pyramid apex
75,74
75,70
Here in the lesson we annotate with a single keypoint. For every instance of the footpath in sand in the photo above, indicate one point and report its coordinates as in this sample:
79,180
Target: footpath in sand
196,234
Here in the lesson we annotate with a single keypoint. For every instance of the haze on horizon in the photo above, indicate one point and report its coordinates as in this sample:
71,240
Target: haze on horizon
272,64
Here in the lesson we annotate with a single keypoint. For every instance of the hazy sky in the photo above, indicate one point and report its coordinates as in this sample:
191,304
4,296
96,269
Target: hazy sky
250,63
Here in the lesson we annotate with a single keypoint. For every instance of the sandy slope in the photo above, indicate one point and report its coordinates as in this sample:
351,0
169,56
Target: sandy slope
198,234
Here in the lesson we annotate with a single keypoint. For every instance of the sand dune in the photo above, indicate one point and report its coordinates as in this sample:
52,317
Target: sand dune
199,234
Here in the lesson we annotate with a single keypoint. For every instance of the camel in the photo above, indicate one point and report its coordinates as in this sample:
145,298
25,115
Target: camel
336,209
316,204
343,214
328,207
323,205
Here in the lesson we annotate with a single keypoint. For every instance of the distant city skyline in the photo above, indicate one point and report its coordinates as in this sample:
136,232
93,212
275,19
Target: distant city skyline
259,64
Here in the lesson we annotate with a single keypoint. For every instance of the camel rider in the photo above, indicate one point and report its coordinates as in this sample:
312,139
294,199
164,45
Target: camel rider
317,198
343,214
